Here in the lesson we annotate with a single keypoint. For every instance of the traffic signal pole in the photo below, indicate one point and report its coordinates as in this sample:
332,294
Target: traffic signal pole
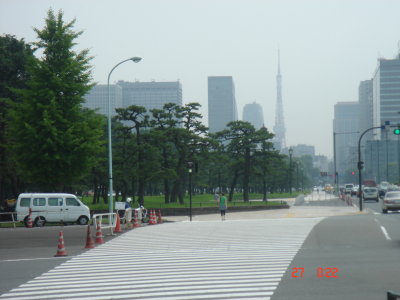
360,163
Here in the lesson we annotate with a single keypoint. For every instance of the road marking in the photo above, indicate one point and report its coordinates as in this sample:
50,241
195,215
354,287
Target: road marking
290,215
202,260
385,233
38,258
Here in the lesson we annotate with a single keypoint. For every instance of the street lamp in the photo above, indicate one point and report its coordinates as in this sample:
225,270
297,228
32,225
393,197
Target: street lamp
290,170
110,176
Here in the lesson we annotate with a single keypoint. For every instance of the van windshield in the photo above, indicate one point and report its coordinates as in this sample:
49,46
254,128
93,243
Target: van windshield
25,202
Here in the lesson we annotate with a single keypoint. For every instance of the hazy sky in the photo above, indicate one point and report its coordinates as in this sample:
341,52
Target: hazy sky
327,48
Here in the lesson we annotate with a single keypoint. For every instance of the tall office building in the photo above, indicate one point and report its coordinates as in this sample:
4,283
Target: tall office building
386,93
253,114
97,98
151,94
279,128
123,94
221,102
366,108
346,121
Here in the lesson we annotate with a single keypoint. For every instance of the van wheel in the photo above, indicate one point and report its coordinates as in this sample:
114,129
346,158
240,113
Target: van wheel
385,211
83,220
39,222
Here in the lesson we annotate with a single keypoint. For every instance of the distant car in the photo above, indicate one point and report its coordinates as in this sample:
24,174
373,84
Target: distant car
391,201
370,193
355,190
348,188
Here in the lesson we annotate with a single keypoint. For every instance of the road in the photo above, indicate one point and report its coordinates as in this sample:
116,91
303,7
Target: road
249,256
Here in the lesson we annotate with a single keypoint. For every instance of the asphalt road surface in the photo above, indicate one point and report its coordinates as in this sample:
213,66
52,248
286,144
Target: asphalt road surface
252,255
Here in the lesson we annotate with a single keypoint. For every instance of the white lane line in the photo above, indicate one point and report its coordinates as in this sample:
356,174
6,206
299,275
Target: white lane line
383,230
385,233
38,258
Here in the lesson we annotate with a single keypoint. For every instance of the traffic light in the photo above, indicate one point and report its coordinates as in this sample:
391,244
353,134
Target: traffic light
396,131
360,165
190,166
353,173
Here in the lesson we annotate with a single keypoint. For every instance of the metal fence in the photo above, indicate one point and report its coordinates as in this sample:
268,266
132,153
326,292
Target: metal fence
13,218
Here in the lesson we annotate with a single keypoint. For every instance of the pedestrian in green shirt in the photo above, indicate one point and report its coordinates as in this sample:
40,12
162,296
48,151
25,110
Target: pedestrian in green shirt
223,205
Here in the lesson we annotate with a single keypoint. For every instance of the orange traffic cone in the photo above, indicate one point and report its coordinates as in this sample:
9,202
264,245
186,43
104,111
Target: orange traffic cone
89,239
152,220
60,247
99,235
135,220
29,222
159,219
117,228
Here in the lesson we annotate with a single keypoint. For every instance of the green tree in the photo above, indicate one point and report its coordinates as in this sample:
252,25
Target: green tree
13,56
54,141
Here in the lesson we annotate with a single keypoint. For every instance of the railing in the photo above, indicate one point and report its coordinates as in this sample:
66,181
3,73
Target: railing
392,295
97,219
13,220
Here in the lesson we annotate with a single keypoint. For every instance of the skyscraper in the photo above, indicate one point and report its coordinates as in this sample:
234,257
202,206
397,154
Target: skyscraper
386,93
346,121
279,128
221,102
97,98
123,94
366,108
151,94
253,114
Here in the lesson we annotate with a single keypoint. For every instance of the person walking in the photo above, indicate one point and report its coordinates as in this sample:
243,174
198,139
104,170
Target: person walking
223,205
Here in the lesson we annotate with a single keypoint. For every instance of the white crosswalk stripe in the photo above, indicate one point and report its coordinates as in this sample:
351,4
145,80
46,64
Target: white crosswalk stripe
199,260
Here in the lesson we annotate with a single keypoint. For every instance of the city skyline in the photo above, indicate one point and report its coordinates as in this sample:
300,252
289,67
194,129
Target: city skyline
323,60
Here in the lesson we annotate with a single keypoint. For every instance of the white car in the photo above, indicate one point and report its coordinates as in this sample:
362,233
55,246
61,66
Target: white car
391,201
370,193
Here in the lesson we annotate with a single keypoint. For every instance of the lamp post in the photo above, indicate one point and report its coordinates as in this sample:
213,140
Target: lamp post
190,170
290,170
110,175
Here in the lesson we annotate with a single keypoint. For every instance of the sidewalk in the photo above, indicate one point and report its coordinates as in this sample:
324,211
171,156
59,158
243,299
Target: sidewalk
292,212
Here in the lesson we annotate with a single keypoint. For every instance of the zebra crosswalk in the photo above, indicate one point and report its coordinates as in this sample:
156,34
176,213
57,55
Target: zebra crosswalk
243,259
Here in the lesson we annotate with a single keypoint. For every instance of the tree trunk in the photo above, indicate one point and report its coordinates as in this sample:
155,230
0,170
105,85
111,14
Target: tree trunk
233,185
246,175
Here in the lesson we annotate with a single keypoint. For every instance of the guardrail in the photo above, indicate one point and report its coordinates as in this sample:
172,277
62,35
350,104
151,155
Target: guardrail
392,295
13,220
97,219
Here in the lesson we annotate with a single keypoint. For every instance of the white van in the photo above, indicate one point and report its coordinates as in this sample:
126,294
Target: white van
54,207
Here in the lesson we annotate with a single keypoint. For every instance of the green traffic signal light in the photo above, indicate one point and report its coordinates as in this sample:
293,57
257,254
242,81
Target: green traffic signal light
397,131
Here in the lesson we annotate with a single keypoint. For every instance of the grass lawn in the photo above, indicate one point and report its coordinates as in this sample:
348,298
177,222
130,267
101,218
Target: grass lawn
203,200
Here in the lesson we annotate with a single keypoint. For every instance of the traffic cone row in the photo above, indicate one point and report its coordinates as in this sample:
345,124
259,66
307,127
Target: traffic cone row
154,219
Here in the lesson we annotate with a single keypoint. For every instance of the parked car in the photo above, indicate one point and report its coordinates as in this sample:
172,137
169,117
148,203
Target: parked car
370,193
391,201
51,207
